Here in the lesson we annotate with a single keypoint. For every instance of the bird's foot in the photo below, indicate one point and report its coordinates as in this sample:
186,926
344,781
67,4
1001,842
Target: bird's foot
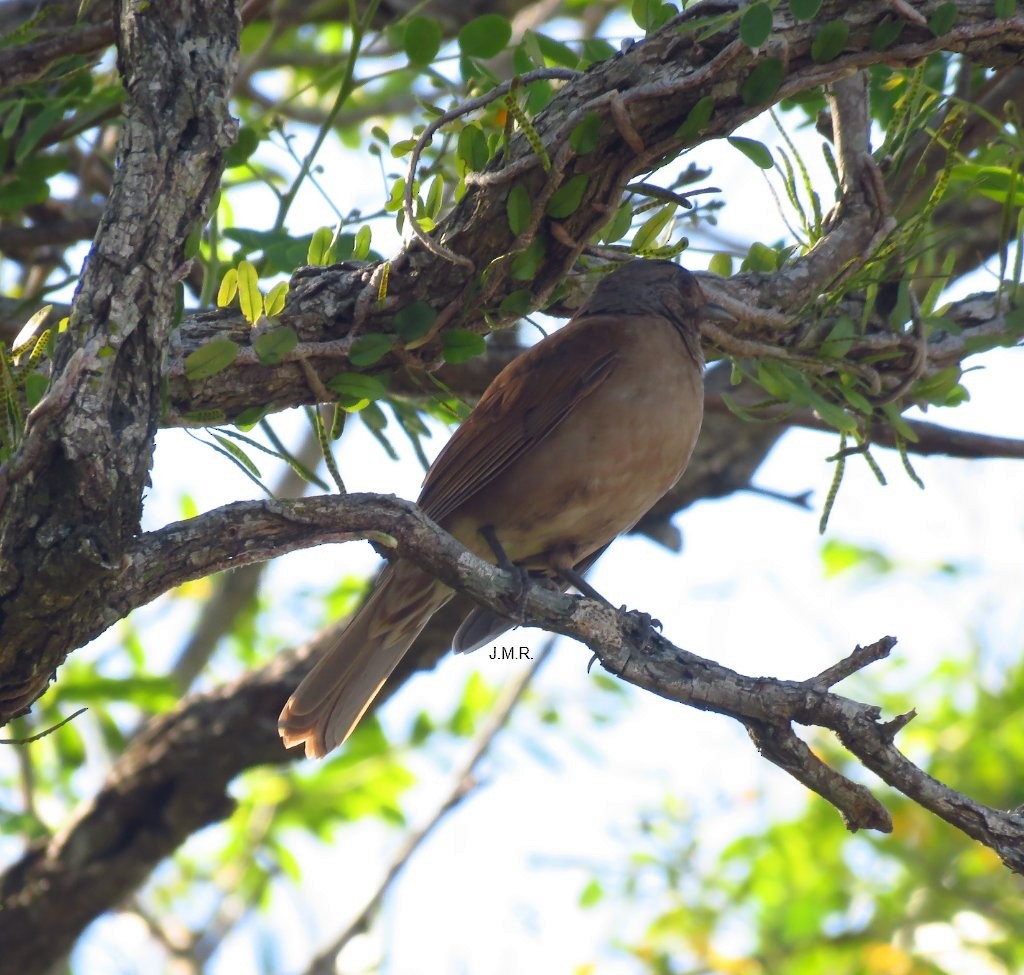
639,625
516,601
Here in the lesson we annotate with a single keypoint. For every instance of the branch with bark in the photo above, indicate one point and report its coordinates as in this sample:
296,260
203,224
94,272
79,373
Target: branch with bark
173,779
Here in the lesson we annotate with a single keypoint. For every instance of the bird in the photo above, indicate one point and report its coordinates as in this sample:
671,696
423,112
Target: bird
567,448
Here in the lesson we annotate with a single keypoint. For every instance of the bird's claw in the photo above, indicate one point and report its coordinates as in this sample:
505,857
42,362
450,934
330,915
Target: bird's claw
642,625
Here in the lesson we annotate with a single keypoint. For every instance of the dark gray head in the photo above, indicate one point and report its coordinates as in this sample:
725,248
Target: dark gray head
652,287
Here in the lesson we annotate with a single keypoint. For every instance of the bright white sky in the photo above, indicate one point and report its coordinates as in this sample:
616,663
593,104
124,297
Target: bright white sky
495,891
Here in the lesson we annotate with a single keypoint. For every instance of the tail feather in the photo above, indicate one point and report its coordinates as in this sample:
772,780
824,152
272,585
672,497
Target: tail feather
330,702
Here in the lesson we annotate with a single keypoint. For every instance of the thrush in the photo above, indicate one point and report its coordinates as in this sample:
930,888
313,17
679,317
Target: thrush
570,445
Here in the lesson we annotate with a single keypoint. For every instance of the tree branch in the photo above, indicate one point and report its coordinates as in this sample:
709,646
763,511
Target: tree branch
173,777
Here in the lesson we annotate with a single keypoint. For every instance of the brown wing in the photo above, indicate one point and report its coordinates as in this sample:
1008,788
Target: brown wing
528,399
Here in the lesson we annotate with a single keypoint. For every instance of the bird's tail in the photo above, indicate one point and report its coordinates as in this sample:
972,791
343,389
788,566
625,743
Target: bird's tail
334,696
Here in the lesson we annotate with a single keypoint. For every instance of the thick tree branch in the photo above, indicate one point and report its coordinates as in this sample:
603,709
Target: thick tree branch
173,779
71,497
656,82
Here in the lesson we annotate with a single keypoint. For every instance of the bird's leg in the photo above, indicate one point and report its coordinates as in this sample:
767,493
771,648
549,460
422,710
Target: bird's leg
489,535
641,623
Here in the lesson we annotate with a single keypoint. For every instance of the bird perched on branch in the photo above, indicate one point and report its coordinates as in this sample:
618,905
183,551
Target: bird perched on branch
569,446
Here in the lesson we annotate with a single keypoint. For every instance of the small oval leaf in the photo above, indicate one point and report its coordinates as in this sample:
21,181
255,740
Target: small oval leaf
696,119
422,40
804,9
209,359
829,42
756,24
460,345
319,250
518,208
566,200
761,84
369,348
586,135
228,288
276,297
249,298
355,390
271,347
943,20
757,152
651,228
886,33
414,321
485,36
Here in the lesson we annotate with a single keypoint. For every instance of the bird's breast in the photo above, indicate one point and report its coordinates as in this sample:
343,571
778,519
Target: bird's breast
605,464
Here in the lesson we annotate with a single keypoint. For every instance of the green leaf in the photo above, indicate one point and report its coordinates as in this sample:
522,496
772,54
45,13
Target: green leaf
1005,8
556,52
246,144
414,321
651,228
619,225
598,49
839,340
35,388
271,347
435,196
248,418
756,24
517,303
763,82
652,14
228,288
518,208
13,119
240,455
460,345
592,894
485,36
760,257
804,9
528,262
943,20
566,200
22,192
757,152
356,390
886,33
209,359
835,416
249,298
472,147
36,128
585,137
319,253
361,245
275,300
402,148
720,264
369,348
696,119
396,197
937,388
995,182
838,557
421,40
829,42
